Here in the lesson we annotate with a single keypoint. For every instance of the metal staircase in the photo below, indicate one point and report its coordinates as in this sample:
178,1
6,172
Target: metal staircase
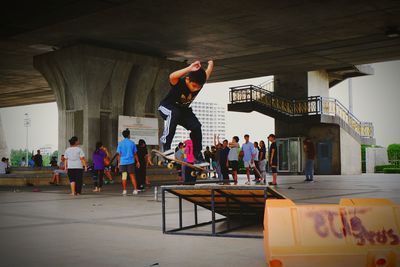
248,98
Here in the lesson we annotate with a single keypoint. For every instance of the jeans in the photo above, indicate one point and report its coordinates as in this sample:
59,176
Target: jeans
309,171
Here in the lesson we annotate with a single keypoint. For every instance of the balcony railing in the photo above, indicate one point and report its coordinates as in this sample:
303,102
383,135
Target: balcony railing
314,105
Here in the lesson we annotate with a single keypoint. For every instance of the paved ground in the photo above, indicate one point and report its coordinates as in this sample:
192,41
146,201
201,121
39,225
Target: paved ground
51,228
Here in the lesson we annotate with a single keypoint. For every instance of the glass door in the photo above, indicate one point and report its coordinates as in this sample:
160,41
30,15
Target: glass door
294,154
283,155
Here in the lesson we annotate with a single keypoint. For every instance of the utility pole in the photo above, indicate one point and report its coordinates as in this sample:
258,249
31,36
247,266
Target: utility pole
27,124
350,97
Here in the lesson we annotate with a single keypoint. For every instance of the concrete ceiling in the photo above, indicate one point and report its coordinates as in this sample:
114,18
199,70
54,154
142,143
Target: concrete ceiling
246,38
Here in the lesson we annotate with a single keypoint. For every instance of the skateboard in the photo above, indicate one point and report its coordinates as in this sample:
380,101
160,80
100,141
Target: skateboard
198,171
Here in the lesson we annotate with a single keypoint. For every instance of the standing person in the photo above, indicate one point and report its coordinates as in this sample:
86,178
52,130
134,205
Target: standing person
218,147
75,163
38,159
213,161
273,159
107,167
127,156
189,158
180,155
144,160
257,175
233,158
175,107
207,158
262,163
223,161
207,155
98,166
56,173
309,150
248,157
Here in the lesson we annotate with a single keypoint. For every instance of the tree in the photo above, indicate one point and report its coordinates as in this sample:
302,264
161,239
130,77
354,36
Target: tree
17,155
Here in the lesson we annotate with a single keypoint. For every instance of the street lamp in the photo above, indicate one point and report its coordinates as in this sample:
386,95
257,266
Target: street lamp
27,124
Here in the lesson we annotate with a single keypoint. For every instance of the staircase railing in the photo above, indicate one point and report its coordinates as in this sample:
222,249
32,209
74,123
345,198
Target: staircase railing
314,105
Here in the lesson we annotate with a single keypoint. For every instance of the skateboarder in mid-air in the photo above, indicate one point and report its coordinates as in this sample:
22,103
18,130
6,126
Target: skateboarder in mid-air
175,107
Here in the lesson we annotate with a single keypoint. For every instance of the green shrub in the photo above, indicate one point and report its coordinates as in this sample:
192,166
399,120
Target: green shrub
393,151
391,170
380,168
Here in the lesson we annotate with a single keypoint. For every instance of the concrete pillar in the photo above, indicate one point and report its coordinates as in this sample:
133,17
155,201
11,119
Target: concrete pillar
318,83
94,85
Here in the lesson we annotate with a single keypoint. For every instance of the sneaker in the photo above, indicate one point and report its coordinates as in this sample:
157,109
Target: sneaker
135,192
124,192
247,183
272,184
105,182
306,180
311,181
111,181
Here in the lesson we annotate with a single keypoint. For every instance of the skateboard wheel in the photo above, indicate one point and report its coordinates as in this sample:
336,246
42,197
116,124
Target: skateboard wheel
170,165
203,176
193,174
160,163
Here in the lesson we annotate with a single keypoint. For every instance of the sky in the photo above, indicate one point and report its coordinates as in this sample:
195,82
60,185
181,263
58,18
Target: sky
376,98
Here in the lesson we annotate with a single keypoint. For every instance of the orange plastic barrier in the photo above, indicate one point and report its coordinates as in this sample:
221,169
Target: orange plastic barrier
355,233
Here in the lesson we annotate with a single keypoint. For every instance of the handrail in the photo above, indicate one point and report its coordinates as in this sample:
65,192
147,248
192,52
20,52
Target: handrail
313,105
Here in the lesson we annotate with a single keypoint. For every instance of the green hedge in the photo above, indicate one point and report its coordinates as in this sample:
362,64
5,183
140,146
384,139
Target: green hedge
380,168
391,170
393,151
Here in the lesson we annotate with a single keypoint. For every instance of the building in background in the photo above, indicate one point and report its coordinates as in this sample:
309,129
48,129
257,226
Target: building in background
212,119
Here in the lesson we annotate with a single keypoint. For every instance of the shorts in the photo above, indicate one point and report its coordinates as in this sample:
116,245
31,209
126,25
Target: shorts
130,168
59,171
75,175
273,169
248,164
234,165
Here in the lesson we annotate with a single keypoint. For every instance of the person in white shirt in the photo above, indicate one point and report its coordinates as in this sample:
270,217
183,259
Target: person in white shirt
3,166
75,163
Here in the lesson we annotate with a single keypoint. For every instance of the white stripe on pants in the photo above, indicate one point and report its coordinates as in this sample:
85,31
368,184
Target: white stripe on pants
167,123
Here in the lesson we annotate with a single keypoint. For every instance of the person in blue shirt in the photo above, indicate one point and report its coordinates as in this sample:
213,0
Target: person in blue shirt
31,163
249,153
127,157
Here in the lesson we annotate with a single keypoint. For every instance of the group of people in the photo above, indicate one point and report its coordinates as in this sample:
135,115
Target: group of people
132,161
225,156
36,161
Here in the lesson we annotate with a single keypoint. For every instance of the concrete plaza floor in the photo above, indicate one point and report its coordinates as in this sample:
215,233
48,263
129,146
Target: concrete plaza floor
51,228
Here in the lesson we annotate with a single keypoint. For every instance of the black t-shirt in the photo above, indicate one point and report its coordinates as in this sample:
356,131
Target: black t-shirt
275,158
223,155
38,160
310,150
207,155
142,152
179,95
262,151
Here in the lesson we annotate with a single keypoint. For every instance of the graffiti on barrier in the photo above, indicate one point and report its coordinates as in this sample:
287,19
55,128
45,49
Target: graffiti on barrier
326,223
